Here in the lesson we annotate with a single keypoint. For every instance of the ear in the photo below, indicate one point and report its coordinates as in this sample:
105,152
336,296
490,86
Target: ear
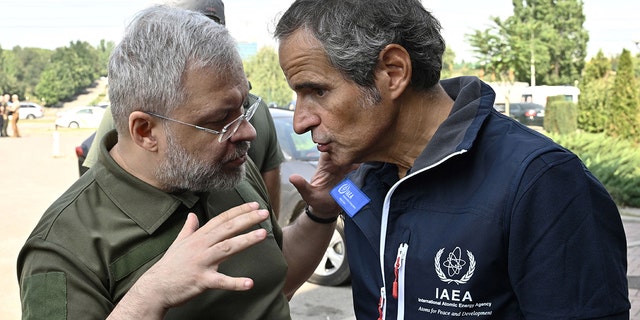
394,70
143,128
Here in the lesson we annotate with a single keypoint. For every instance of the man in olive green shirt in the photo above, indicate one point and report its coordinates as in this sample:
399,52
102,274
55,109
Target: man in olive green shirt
171,221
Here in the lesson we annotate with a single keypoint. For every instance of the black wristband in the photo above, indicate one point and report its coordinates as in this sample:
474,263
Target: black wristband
318,219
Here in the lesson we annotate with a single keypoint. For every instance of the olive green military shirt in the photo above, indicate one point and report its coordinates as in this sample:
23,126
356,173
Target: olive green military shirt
103,233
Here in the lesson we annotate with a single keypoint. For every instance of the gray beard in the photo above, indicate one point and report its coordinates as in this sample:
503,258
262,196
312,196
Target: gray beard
181,172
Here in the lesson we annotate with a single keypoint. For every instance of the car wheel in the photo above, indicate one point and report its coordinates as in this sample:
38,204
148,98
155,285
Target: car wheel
31,117
74,125
333,269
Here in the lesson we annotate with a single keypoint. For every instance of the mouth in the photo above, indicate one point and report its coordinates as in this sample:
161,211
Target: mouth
323,143
238,161
323,147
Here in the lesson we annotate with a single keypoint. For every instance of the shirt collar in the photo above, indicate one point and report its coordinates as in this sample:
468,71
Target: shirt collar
145,204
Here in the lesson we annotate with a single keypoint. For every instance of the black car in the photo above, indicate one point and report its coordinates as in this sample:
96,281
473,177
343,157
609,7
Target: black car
531,114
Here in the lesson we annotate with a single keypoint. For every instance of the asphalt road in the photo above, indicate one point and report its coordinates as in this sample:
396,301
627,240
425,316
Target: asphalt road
40,166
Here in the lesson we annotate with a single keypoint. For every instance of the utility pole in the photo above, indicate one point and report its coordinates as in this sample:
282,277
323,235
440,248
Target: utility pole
533,59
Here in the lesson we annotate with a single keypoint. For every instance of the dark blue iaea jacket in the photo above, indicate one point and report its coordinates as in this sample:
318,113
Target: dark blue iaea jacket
494,221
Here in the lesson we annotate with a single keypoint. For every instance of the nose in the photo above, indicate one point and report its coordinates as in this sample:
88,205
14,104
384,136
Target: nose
303,119
246,132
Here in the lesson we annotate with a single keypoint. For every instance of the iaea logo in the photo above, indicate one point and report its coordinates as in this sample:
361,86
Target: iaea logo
454,265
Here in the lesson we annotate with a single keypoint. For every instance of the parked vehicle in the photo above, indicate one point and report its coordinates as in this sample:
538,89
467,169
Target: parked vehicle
539,94
81,152
531,114
31,110
301,157
80,117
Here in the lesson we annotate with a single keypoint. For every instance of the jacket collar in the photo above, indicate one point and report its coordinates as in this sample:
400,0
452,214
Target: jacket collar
473,102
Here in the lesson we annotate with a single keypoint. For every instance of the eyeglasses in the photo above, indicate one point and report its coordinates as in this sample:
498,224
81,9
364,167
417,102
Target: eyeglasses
227,131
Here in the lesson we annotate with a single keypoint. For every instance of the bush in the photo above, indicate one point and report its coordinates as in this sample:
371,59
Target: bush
615,162
560,116
593,106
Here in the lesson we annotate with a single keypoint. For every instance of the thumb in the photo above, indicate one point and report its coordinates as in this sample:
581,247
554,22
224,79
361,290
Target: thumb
190,226
300,184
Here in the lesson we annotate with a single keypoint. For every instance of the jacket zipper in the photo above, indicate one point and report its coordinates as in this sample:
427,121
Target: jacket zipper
398,284
383,227
398,268
381,304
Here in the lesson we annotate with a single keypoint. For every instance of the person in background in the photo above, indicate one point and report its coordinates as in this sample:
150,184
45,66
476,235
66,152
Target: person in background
265,151
5,125
172,222
3,115
14,113
456,211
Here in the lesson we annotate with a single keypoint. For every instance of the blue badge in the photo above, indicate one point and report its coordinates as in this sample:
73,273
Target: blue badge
349,197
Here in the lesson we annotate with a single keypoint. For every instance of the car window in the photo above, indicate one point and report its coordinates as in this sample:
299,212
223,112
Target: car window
299,147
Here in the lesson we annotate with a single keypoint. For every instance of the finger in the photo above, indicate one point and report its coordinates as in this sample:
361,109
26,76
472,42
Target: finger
190,226
226,248
229,215
300,184
220,229
224,282
237,211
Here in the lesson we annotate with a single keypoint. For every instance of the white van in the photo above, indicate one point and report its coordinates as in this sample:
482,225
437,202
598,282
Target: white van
539,94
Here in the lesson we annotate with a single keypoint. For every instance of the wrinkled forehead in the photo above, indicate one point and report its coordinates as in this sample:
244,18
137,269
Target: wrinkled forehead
205,86
230,75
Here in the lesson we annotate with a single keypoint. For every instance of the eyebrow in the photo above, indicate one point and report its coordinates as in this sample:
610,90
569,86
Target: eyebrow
222,113
308,85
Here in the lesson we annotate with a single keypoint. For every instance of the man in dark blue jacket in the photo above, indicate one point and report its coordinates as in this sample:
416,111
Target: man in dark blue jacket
456,211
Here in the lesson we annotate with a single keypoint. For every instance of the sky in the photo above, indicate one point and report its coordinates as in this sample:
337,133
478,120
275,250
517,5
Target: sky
613,25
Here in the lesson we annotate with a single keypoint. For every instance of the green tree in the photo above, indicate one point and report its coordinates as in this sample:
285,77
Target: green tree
597,68
56,84
72,69
7,82
625,112
494,51
593,111
267,79
568,44
85,62
30,63
448,59
53,76
104,51
543,38
22,68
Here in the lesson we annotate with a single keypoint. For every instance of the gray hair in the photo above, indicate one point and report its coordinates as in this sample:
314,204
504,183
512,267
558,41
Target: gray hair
354,32
146,68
